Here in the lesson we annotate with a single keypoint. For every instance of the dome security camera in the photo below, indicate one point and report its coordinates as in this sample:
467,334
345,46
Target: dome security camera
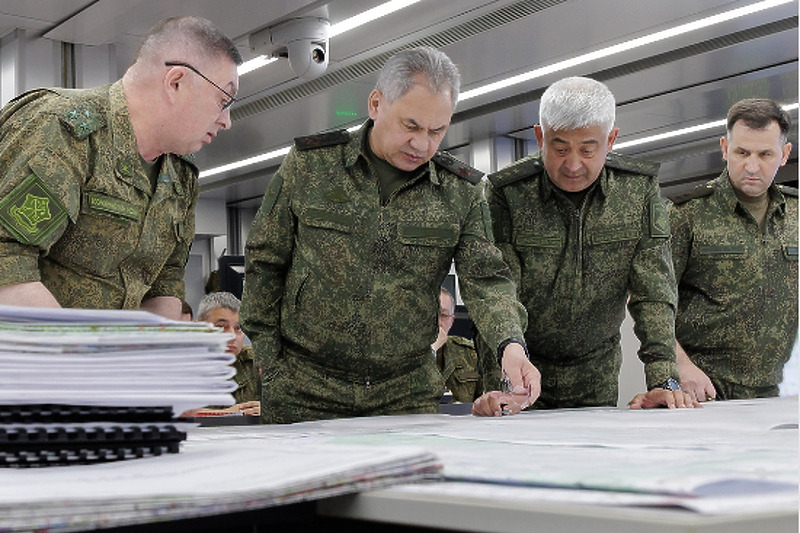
304,41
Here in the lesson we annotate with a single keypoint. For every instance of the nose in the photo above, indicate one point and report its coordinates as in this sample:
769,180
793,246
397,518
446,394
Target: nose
419,142
224,120
572,162
751,164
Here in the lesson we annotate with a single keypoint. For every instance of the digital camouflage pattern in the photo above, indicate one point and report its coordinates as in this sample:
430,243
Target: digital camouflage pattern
77,207
458,362
576,268
247,379
737,287
335,279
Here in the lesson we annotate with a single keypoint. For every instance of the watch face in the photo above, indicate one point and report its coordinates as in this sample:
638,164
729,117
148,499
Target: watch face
671,384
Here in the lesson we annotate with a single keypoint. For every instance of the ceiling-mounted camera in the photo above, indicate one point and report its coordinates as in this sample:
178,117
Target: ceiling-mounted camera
304,41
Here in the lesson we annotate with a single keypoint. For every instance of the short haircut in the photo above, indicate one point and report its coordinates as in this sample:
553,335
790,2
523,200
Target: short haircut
758,114
216,300
399,72
577,102
195,33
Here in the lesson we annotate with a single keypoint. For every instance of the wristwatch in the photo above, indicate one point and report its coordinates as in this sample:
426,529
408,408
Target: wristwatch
502,347
668,384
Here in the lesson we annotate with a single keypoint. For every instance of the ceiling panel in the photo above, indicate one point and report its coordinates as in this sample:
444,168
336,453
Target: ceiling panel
664,85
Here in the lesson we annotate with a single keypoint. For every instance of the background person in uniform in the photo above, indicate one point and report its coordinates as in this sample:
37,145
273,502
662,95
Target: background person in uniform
96,208
187,314
347,253
584,231
734,246
222,310
457,358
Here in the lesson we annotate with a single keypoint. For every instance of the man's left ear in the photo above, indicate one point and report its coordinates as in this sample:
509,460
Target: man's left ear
787,149
612,137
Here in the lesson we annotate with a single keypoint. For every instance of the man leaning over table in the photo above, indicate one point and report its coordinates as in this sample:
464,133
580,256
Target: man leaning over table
585,232
97,186
345,258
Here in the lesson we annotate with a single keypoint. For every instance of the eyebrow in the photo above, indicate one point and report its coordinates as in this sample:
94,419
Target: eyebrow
416,124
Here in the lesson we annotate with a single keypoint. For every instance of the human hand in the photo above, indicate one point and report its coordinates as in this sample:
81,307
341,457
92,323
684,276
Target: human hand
659,397
252,408
695,382
520,372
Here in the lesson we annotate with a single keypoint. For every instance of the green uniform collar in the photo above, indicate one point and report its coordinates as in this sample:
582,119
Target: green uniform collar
548,188
777,202
355,148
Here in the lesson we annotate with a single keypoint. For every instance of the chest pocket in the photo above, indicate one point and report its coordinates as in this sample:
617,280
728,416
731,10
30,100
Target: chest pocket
721,251
106,232
322,219
440,235
527,239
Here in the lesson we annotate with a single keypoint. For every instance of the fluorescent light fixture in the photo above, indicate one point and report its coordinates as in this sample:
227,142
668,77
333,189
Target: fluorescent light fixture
274,154
683,131
623,47
335,29
368,16
253,64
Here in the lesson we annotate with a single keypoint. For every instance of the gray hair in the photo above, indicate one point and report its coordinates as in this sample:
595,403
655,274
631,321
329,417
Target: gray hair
577,102
215,300
188,33
399,72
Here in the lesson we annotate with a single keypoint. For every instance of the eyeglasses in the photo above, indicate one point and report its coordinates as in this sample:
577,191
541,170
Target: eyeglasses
231,100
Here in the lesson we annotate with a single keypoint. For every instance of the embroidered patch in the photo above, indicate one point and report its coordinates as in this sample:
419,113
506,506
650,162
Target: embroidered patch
659,220
31,212
108,204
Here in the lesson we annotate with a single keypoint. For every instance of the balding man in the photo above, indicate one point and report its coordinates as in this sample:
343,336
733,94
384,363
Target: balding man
97,192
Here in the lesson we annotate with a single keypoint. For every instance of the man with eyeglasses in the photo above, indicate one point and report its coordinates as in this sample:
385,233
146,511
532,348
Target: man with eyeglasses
98,187
464,375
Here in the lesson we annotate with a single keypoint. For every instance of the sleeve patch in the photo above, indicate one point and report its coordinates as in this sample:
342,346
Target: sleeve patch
31,212
271,193
659,220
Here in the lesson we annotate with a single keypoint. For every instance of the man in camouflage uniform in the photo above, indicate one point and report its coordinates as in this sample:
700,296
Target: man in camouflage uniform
584,231
222,310
734,246
457,359
96,208
347,253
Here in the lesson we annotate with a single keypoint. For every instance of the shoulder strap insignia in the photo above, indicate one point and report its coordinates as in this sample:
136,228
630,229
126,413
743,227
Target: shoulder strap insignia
697,192
788,191
459,168
321,140
82,119
517,171
631,164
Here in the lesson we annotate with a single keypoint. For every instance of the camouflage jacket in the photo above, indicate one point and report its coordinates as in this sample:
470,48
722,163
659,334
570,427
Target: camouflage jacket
737,286
77,208
577,267
463,374
353,285
247,378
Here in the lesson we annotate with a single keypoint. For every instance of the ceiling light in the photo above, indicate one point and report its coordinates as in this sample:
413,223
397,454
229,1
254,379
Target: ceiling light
335,29
623,47
683,131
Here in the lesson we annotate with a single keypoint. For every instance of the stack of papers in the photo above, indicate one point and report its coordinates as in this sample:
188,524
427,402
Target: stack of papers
83,386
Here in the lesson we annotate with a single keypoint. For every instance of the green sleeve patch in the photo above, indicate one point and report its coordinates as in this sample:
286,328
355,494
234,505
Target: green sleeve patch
31,212
659,220
272,192
487,221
